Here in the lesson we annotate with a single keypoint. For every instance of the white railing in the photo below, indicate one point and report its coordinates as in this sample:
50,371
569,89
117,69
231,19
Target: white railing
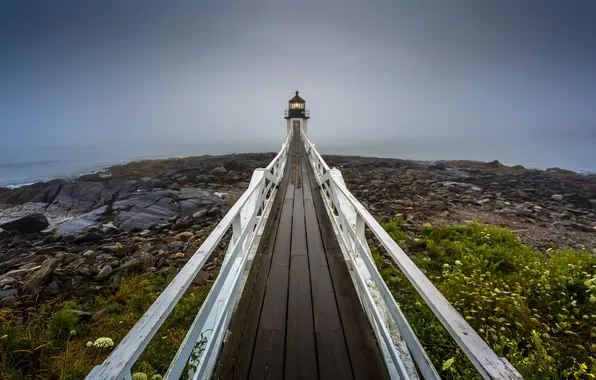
200,347
396,337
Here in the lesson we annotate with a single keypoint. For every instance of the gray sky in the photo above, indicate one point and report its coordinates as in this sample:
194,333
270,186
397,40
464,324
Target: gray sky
91,72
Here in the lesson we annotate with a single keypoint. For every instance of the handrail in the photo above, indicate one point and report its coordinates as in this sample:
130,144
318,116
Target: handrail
349,218
247,226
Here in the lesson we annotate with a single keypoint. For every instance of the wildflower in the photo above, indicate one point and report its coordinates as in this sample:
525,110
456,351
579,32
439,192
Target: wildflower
89,343
457,262
446,265
103,343
448,363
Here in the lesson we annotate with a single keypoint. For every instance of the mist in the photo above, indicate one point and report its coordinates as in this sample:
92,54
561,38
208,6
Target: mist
91,74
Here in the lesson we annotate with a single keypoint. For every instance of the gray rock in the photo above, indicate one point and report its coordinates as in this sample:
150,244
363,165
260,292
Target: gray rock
27,224
557,197
8,293
109,230
41,276
147,259
104,273
202,278
3,233
132,266
89,237
523,194
219,170
199,214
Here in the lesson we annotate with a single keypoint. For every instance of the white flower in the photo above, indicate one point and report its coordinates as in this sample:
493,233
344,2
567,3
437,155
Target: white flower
103,343
89,343
457,262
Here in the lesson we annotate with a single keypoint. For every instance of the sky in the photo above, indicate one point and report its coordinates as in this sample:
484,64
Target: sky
95,72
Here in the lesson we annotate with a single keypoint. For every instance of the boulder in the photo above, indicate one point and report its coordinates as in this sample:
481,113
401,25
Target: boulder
132,266
42,275
89,237
104,273
219,170
27,224
557,197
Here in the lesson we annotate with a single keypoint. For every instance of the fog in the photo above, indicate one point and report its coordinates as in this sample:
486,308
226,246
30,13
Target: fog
82,73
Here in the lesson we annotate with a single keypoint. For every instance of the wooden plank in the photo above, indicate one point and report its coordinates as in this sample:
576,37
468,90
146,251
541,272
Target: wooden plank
301,357
364,354
333,357
298,227
235,358
269,363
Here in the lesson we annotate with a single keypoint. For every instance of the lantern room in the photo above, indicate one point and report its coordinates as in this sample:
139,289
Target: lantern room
297,115
297,108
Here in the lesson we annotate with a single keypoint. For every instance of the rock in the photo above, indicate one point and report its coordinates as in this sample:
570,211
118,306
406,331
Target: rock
41,276
494,164
592,201
69,239
202,278
557,197
221,195
27,224
93,237
215,211
219,170
4,233
117,250
50,249
147,259
523,194
104,273
483,201
199,214
132,266
8,293
82,315
109,230
184,235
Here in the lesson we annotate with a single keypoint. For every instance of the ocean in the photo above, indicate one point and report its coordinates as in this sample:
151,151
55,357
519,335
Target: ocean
28,164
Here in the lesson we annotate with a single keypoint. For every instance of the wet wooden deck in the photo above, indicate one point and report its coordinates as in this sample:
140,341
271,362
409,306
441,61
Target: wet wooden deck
299,316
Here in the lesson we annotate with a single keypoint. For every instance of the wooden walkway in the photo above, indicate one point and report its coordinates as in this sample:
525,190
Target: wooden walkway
299,316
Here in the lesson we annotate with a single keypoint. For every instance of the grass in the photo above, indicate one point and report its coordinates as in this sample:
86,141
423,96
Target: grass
50,342
537,309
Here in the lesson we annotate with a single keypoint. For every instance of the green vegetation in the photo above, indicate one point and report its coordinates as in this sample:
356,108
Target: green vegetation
52,342
537,309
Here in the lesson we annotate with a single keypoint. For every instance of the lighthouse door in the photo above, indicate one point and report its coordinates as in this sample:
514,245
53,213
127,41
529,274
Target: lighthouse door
297,127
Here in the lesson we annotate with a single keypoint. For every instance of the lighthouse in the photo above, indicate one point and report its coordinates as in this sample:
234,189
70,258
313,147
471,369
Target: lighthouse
297,115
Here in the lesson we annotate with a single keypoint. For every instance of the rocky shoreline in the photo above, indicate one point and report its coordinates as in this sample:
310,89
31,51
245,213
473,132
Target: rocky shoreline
146,216
151,216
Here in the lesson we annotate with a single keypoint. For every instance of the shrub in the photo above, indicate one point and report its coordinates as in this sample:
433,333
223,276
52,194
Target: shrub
537,309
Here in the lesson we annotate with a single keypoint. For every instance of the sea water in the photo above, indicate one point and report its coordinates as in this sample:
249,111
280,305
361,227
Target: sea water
21,165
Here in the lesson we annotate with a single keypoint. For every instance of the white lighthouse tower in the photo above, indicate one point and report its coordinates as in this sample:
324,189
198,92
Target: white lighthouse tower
297,115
